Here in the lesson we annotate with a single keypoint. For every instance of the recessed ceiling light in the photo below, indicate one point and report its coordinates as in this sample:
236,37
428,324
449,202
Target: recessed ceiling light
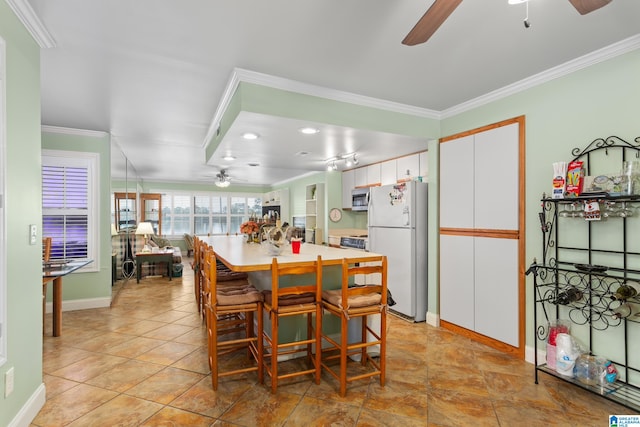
517,1
229,158
309,130
302,153
250,135
253,165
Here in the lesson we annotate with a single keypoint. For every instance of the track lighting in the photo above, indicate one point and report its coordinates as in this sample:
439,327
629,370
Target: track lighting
348,159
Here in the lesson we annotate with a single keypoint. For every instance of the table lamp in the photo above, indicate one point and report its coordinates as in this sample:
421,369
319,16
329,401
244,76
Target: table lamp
146,229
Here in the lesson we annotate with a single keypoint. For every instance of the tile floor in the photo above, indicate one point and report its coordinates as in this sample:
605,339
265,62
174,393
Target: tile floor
143,362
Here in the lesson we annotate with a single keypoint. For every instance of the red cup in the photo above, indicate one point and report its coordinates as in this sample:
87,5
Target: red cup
295,246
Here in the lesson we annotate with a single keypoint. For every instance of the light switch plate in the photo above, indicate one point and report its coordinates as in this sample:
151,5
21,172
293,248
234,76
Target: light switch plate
33,234
8,382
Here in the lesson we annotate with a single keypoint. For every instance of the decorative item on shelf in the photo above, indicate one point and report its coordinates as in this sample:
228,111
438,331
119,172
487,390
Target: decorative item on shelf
250,229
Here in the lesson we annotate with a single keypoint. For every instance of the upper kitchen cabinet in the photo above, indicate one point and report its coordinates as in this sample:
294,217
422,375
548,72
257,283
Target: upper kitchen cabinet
361,179
373,174
408,167
348,184
388,172
424,165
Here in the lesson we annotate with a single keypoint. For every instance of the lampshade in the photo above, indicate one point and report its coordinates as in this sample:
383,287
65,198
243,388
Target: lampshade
145,228
114,232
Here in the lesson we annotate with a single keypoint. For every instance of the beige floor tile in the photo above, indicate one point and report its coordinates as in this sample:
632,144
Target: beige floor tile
168,353
144,362
176,417
126,375
165,386
125,411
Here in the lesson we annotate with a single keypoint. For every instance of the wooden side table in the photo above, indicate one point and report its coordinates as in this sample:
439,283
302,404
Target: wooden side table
153,257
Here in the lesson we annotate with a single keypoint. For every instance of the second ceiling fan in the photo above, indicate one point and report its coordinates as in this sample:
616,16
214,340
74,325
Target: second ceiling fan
441,9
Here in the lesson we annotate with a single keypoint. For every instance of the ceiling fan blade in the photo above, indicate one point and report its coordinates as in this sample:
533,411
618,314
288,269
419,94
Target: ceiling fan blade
586,6
430,21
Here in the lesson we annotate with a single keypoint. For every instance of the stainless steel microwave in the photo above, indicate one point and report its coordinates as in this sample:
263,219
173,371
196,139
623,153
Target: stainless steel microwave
360,199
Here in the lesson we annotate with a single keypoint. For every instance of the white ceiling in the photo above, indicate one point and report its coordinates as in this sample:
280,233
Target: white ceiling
152,73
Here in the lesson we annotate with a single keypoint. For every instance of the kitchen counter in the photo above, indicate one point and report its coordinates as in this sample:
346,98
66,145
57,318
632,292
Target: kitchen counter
238,255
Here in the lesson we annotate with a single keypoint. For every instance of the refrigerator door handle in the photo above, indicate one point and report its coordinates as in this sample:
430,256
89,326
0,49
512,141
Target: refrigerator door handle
405,211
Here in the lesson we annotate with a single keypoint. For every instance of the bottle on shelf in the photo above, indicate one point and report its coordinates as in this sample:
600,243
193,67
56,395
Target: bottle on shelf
625,291
568,295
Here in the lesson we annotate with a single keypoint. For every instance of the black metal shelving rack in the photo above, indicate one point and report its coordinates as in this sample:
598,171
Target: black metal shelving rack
559,270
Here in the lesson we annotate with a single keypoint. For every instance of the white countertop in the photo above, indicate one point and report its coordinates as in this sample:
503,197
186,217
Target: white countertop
239,255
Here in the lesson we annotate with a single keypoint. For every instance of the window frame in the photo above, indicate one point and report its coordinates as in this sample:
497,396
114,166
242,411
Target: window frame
211,215
92,162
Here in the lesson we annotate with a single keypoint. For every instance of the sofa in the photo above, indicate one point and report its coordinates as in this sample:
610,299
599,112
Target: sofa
120,244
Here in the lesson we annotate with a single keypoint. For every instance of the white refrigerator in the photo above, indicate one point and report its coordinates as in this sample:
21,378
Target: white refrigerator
398,229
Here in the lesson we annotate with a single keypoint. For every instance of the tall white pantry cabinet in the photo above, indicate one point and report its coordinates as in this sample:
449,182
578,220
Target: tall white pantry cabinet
481,234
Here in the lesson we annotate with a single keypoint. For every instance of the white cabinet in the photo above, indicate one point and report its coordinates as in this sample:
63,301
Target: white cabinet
361,179
480,283
408,167
388,174
278,198
424,165
348,184
456,183
315,215
373,174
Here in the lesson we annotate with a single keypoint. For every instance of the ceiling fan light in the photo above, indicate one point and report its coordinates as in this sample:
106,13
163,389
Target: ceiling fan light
223,183
517,1
250,135
229,158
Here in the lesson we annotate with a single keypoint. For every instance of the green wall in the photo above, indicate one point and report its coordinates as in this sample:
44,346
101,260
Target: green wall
23,206
93,288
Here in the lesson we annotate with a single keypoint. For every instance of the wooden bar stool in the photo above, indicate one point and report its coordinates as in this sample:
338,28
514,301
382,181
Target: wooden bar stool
353,302
231,308
303,298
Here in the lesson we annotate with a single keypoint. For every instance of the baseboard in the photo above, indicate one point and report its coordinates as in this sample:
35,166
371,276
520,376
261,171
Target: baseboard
30,409
81,304
433,319
529,354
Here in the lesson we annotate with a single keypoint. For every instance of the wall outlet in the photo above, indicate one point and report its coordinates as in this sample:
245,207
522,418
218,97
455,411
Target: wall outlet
8,382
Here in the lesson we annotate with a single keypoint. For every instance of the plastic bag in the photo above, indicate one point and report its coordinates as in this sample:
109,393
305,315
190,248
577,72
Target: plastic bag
567,352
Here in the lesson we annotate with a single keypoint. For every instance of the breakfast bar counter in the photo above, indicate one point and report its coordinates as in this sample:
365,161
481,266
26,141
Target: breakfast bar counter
239,255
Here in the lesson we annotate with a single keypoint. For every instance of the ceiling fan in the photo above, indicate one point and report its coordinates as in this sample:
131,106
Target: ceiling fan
222,179
441,9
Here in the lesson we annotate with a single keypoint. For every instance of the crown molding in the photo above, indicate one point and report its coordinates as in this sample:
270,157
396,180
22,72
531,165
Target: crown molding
32,22
74,132
240,75
620,48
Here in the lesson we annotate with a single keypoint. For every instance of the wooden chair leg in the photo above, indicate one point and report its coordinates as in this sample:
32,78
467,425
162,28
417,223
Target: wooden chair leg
318,338
274,352
343,355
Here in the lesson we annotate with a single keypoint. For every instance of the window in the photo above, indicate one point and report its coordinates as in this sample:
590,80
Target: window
68,204
204,214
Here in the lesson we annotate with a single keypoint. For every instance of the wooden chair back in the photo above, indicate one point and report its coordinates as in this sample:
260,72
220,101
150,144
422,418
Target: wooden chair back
375,271
46,248
311,285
